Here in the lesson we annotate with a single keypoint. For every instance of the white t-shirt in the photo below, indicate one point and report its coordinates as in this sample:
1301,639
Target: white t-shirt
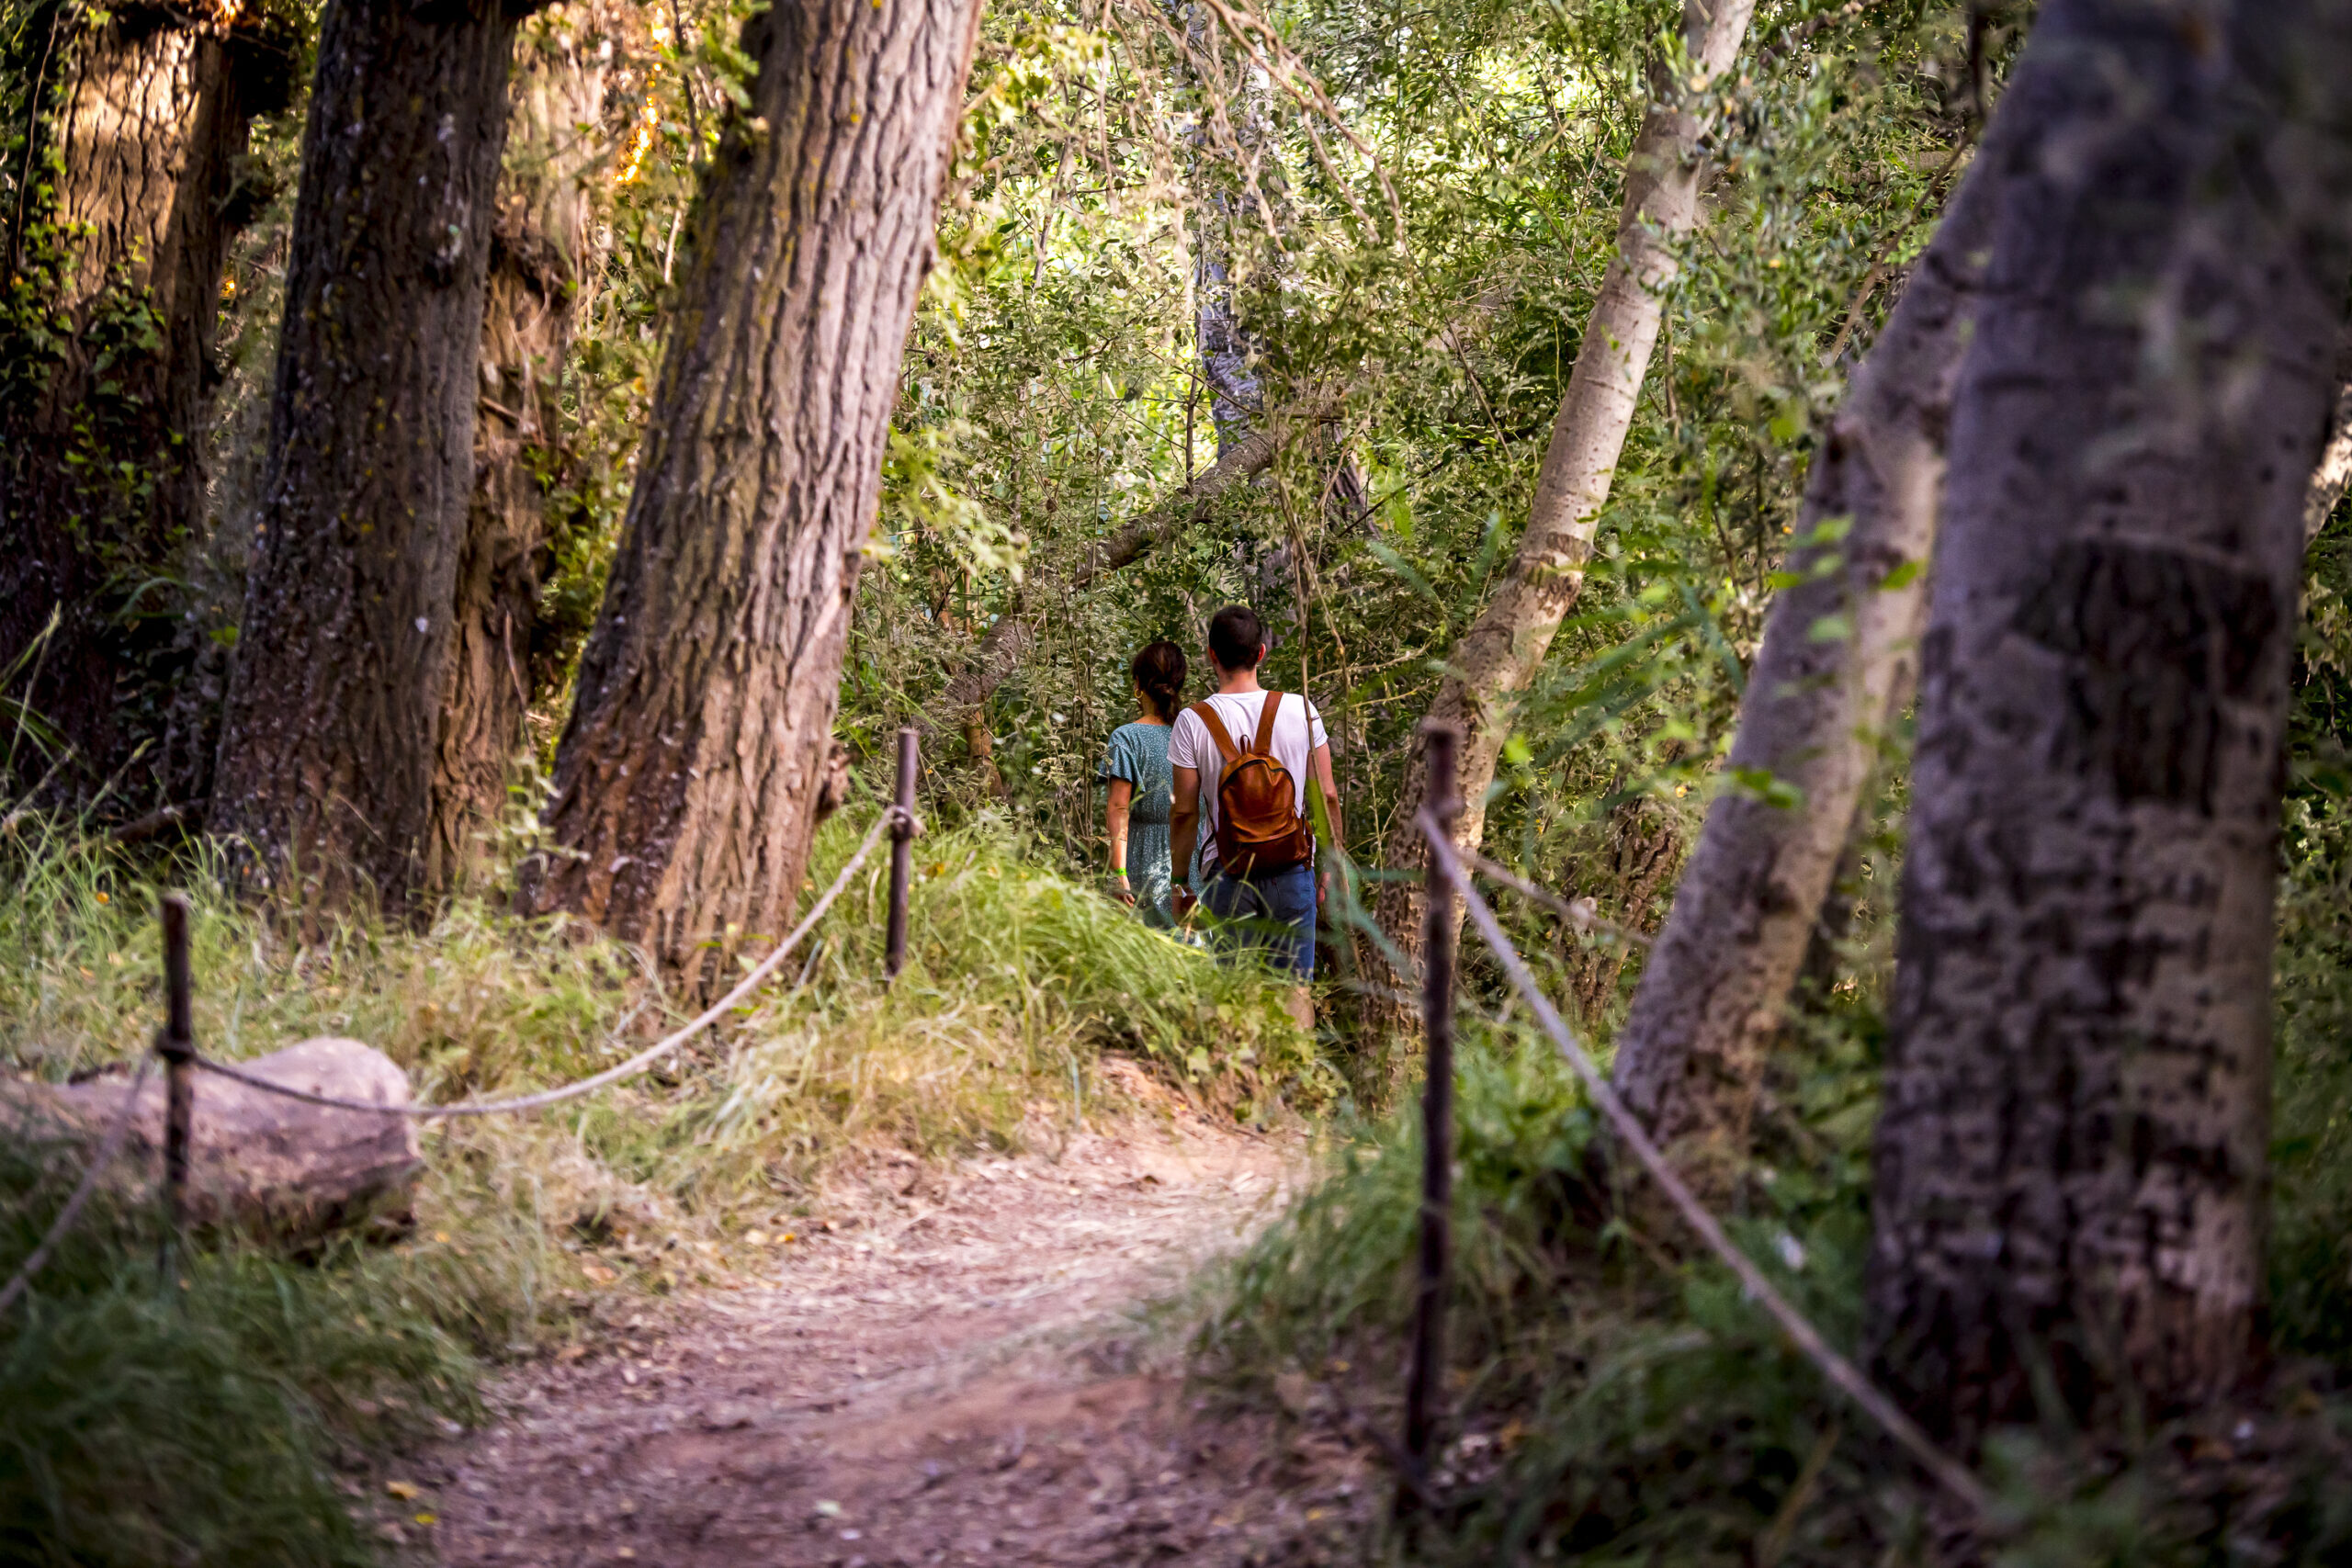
1298,730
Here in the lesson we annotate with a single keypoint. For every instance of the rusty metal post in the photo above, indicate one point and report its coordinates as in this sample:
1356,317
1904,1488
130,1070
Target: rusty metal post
175,1043
903,848
1423,1391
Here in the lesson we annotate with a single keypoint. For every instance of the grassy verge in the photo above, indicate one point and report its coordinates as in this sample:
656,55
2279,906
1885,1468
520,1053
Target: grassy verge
246,1401
1616,1400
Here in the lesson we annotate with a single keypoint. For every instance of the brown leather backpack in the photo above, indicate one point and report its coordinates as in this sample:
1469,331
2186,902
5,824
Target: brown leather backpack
1259,825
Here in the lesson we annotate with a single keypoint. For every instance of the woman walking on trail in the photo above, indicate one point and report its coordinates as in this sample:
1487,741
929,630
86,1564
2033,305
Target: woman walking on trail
1137,767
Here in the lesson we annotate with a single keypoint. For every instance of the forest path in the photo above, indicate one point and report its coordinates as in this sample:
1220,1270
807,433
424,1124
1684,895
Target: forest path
964,1374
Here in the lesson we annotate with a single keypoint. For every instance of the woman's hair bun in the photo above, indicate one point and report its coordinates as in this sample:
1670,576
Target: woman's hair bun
1158,672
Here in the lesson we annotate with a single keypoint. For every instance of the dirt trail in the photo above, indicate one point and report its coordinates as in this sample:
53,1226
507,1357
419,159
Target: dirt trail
962,1378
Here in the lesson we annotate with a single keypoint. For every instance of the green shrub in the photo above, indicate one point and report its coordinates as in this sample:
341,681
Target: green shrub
2311,1241
1615,1399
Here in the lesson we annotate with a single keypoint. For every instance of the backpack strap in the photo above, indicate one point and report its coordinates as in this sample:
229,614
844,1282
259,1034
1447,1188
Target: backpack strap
1217,732
1267,712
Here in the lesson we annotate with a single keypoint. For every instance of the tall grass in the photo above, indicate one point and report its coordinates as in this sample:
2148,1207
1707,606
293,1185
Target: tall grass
1616,1400
145,1422
2311,1242
196,1415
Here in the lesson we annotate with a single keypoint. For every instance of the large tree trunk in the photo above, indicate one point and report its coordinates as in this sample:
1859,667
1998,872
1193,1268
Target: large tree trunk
152,119
2070,1162
688,775
542,259
1502,649
1839,654
329,742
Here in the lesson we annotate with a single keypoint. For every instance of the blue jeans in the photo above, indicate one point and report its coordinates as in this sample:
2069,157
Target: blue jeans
1272,913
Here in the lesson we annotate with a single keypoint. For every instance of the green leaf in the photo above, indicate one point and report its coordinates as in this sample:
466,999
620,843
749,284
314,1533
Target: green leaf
1763,785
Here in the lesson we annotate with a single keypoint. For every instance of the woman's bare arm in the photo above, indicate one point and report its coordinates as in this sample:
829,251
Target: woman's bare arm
1123,794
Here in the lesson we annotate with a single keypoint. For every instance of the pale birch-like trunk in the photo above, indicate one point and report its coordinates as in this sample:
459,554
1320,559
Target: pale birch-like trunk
2071,1160
1837,658
2334,475
688,778
1502,649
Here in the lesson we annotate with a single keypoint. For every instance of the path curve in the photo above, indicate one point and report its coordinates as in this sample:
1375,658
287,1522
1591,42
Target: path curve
965,1378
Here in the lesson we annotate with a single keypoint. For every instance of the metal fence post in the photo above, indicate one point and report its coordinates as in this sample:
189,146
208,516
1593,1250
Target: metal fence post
1423,1391
175,1043
903,848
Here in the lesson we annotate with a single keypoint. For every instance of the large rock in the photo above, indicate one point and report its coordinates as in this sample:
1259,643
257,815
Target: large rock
258,1161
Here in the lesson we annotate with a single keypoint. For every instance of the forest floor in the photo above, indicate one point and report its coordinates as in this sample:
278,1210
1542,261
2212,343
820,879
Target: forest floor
968,1368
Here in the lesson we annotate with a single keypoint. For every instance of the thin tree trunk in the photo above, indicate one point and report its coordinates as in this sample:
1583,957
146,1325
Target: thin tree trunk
2334,475
1502,649
154,116
1838,656
1007,642
1644,851
2070,1164
542,260
328,746
1236,392
688,775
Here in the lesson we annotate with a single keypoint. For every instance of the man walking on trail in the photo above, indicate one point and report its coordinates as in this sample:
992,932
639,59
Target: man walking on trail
1241,760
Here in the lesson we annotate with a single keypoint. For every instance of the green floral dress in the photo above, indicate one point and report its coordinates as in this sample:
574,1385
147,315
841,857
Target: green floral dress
1139,753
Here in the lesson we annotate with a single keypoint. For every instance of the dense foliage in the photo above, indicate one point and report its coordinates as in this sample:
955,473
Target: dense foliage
1407,212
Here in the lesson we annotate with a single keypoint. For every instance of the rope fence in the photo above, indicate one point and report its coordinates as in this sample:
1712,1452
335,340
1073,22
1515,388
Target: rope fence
176,1044
892,818
1582,914
1449,871
109,1146
1448,868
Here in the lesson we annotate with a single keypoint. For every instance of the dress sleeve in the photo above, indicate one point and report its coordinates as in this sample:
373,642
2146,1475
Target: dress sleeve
1121,762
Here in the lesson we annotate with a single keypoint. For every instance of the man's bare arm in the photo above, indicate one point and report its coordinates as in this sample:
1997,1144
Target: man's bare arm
1183,827
1321,765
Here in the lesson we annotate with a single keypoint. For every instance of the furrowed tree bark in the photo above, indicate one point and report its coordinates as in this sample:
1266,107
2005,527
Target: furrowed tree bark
2070,1162
688,775
151,125
1838,661
542,261
1502,649
328,746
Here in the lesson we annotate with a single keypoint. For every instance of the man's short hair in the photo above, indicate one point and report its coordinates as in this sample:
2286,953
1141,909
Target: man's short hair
1237,637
